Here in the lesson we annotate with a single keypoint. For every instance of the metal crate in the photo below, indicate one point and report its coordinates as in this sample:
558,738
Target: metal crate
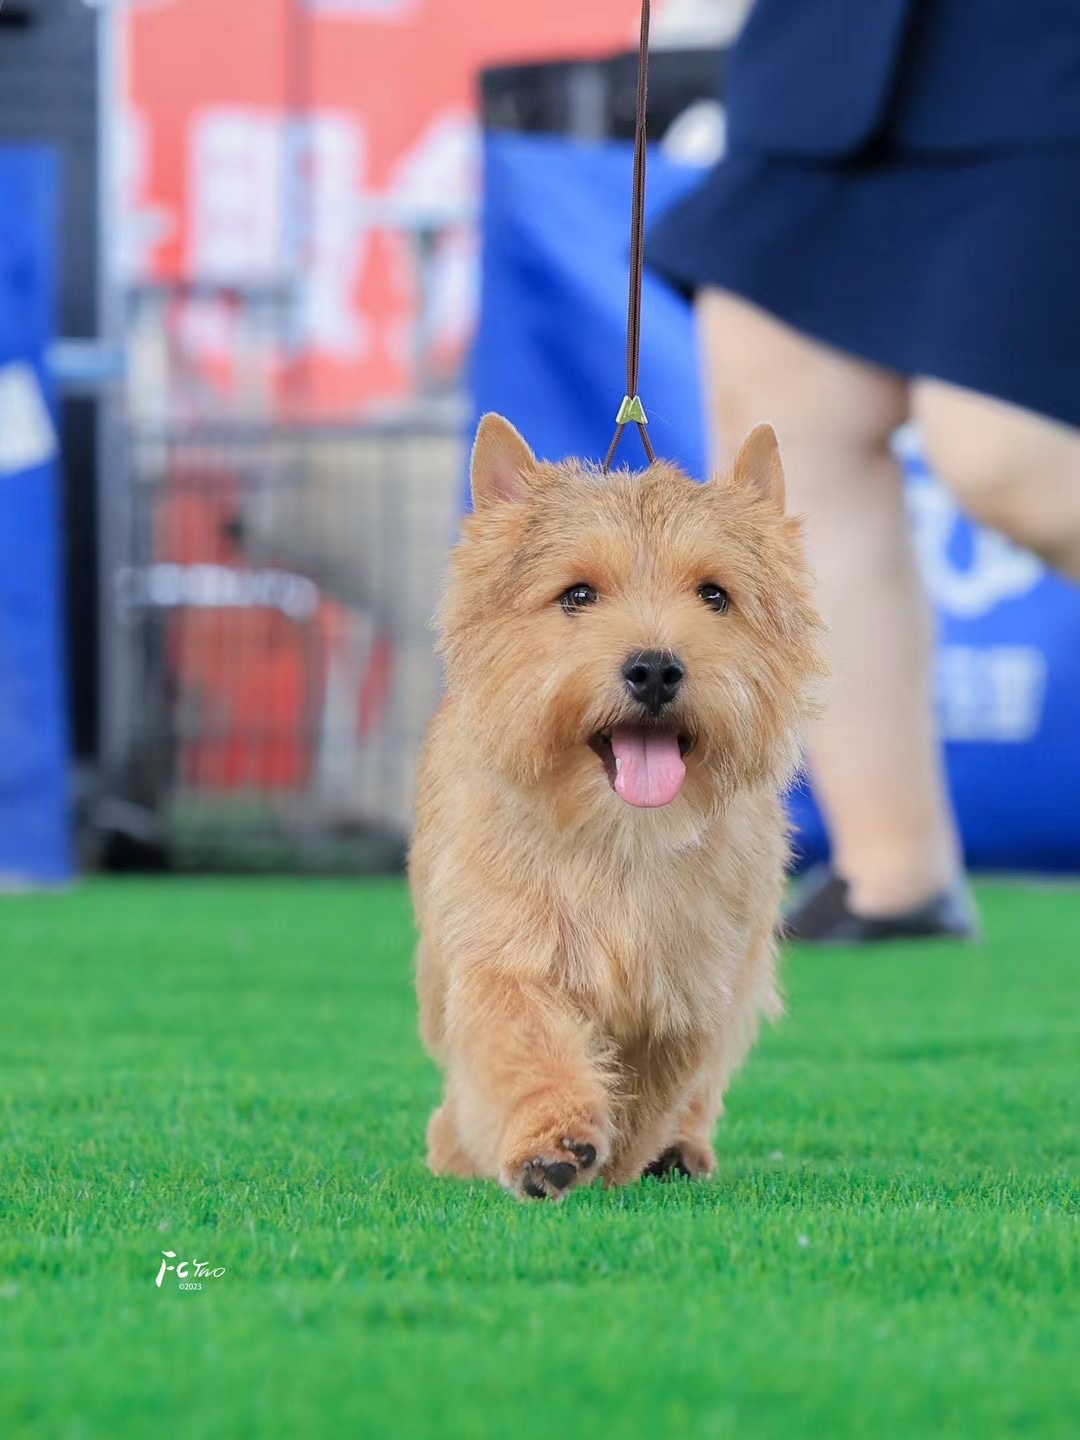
272,668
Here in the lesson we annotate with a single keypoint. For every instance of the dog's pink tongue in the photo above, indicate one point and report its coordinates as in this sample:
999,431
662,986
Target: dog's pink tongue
649,769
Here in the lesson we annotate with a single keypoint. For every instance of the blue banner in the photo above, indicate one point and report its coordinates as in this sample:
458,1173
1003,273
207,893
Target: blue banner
34,823
549,356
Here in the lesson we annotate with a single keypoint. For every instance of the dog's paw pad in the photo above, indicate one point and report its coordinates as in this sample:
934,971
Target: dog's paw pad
546,1162
561,1174
586,1153
547,1179
667,1166
681,1162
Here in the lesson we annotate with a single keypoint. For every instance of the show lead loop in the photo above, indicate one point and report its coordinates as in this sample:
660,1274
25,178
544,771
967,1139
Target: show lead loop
631,411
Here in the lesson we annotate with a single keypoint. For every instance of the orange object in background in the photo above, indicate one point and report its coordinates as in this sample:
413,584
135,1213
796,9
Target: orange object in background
240,677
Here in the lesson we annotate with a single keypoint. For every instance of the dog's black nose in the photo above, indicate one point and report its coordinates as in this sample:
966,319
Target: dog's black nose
653,678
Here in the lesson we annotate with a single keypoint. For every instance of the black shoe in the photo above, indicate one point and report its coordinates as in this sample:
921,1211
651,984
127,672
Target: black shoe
821,916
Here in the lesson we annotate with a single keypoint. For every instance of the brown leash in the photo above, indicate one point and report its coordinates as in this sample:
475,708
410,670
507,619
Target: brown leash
631,411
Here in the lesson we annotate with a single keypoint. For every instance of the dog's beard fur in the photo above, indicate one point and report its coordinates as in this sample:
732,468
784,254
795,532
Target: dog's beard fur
592,971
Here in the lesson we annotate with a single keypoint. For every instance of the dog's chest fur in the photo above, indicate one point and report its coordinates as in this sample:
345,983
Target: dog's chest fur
655,948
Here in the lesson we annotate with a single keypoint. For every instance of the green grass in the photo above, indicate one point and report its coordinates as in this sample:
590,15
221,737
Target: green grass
230,1070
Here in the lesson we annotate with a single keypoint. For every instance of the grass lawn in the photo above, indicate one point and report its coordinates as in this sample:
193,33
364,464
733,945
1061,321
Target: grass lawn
230,1070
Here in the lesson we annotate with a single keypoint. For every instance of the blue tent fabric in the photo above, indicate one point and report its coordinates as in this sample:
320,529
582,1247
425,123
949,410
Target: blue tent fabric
549,355
1007,689
35,844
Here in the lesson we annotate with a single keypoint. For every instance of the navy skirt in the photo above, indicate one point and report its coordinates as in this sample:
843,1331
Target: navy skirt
963,268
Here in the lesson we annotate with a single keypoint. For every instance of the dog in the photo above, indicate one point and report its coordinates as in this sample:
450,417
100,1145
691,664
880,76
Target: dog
600,843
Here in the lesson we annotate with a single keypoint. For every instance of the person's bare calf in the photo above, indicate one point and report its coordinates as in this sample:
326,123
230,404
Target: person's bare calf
874,756
1014,471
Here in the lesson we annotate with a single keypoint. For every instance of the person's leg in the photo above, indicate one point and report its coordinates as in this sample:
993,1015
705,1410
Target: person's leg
1014,471
874,756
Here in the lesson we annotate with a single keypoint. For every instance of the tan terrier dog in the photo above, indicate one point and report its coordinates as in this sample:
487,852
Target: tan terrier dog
600,842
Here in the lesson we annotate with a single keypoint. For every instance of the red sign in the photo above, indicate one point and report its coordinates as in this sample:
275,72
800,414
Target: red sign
302,143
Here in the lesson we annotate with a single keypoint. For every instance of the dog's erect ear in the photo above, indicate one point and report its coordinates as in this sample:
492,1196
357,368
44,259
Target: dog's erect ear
758,467
503,466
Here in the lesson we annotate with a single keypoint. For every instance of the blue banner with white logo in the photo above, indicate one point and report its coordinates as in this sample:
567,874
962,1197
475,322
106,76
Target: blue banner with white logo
35,843
549,356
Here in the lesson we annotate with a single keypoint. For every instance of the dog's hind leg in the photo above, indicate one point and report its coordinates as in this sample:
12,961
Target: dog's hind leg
446,1155
692,1153
431,993
661,1081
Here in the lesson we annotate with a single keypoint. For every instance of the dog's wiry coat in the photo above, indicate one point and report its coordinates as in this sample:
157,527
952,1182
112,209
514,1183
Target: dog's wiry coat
592,973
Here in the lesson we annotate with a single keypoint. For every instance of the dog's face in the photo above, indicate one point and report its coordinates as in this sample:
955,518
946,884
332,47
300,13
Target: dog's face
629,640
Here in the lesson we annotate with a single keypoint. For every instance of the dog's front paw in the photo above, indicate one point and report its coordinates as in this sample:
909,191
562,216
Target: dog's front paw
687,1160
549,1169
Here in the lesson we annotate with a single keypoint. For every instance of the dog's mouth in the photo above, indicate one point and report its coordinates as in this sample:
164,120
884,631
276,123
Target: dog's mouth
646,767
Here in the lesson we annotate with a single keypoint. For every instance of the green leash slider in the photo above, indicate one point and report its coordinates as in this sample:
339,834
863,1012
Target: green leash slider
631,411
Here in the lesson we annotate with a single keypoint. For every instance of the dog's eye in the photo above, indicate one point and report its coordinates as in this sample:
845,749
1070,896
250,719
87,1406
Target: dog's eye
715,596
577,597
